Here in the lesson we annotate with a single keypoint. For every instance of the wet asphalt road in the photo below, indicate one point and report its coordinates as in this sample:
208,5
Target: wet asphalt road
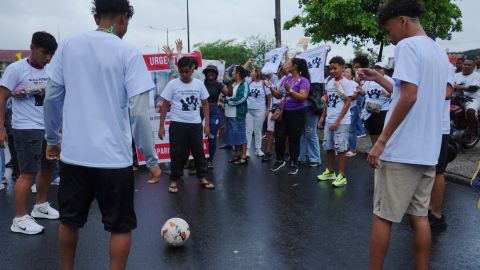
254,219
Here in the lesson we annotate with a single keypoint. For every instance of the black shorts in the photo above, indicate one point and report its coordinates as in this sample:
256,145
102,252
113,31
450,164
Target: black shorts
375,123
31,146
112,188
442,159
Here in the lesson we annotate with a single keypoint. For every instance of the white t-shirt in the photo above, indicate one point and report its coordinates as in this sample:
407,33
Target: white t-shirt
274,57
421,61
316,62
100,72
335,102
230,110
276,86
27,113
258,95
186,100
446,108
374,94
469,80
354,89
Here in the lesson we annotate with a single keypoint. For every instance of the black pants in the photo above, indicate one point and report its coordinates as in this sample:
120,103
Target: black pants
292,125
186,138
202,116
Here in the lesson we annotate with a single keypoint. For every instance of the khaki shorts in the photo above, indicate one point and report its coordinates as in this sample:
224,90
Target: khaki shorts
402,188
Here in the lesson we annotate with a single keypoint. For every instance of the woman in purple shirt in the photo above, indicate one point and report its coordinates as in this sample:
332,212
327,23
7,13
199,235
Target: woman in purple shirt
295,90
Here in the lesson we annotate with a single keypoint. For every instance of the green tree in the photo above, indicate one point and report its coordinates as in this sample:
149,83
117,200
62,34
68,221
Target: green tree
228,50
259,45
354,20
371,54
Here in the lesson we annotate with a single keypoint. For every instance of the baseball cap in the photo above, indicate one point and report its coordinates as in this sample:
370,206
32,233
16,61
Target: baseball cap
380,64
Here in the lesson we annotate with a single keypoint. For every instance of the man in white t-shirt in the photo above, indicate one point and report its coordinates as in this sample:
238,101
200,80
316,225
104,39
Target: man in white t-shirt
29,133
469,81
408,149
105,104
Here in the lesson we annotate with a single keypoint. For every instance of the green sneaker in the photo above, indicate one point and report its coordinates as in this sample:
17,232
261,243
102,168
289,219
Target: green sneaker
340,181
327,175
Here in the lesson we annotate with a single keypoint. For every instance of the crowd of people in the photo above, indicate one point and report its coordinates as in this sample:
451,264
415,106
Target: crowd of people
406,113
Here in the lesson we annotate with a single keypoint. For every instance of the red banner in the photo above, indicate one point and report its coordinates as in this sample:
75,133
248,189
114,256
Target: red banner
160,61
453,57
163,151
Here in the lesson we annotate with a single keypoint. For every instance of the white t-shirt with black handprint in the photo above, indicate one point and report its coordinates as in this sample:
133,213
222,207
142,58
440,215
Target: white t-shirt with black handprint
257,98
186,100
374,93
335,103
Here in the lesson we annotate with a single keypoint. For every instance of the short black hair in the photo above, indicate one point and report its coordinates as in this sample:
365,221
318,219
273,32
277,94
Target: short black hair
362,60
185,62
430,35
44,40
112,8
471,59
337,60
195,61
395,8
461,59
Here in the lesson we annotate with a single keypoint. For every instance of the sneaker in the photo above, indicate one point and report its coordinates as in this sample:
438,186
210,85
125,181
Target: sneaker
368,150
293,170
2,186
362,135
277,165
44,211
264,137
436,222
267,157
327,175
15,176
10,164
259,152
34,188
26,225
351,154
56,181
315,164
340,181
248,152
286,157
4,181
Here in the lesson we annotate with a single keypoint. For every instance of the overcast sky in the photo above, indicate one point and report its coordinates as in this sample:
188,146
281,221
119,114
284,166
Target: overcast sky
210,20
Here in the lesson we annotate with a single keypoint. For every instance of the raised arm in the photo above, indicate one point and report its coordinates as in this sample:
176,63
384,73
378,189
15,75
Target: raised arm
372,75
249,61
171,61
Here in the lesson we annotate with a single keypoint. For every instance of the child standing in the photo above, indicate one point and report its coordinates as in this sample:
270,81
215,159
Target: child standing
339,91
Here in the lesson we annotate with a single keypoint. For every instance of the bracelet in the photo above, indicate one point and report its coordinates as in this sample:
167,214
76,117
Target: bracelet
268,110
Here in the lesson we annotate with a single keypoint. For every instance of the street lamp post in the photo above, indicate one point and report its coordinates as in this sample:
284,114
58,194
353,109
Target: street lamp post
167,31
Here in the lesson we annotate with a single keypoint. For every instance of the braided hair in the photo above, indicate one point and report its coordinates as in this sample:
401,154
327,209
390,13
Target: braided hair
302,67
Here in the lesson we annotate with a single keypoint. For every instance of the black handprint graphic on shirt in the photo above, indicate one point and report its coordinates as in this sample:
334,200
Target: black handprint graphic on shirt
333,100
255,93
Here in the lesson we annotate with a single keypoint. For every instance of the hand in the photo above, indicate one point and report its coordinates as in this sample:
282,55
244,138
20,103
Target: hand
305,46
3,138
168,51
251,60
206,131
227,79
221,61
179,44
268,83
320,122
155,174
375,154
297,53
360,90
161,132
385,93
368,74
334,126
287,86
266,115
53,152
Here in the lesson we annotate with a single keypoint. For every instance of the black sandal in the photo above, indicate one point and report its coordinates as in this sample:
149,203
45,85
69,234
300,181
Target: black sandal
206,184
175,187
235,159
210,166
241,161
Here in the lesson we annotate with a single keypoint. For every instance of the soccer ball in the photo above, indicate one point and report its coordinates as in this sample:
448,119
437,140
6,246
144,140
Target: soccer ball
175,232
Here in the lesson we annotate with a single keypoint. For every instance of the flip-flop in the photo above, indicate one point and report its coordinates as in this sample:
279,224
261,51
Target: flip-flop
206,184
234,159
175,187
210,166
241,161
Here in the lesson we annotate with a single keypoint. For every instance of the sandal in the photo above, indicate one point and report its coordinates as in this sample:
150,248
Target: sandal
173,187
207,184
234,159
351,154
241,161
210,166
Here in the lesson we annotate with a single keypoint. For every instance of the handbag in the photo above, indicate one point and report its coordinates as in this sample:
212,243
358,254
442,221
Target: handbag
277,116
315,97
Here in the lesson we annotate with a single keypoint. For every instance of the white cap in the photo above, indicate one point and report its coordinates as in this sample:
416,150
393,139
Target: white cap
380,64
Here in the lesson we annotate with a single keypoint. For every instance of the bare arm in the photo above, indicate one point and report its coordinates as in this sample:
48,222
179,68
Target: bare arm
448,96
206,113
372,75
227,90
407,99
163,114
4,95
249,61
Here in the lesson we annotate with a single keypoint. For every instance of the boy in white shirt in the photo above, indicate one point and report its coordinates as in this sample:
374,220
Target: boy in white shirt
337,124
408,149
29,133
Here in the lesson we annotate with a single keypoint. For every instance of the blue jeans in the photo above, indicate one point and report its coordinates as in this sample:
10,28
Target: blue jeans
309,136
2,155
359,125
215,120
352,135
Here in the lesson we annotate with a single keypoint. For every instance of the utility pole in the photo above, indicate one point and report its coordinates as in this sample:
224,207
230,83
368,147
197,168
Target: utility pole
278,24
188,29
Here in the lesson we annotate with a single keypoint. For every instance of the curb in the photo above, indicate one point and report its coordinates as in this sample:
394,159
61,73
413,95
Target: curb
457,178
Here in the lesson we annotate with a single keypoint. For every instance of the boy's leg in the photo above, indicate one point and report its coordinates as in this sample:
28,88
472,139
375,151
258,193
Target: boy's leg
328,145
44,181
195,143
422,240
379,242
68,239
22,192
331,160
178,148
340,140
119,249
342,162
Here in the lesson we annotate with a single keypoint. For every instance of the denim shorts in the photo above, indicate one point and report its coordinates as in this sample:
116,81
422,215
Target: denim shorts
31,146
336,140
